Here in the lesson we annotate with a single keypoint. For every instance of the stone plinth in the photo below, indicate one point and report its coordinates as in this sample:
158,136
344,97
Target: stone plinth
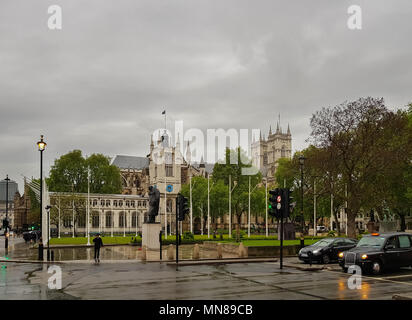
150,235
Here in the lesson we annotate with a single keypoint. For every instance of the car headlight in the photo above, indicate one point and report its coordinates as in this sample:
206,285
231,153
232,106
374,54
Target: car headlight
341,254
316,251
364,256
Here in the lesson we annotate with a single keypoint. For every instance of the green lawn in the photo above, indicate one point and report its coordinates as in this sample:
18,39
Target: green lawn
253,243
254,240
83,240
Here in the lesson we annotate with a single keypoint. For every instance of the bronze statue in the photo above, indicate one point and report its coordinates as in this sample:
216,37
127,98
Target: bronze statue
154,200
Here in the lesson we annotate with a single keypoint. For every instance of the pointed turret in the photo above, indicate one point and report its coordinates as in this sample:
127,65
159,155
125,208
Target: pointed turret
202,163
151,143
288,133
188,153
270,130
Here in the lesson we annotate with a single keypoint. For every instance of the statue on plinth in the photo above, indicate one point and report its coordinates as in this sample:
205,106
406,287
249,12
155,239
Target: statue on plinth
154,201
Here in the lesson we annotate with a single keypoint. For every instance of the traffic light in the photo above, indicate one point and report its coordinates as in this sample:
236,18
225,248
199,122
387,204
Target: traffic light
287,204
275,202
182,207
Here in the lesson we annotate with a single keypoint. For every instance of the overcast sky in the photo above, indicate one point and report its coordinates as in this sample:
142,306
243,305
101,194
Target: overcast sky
101,83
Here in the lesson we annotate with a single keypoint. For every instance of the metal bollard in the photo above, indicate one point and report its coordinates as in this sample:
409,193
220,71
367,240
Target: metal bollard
160,241
52,255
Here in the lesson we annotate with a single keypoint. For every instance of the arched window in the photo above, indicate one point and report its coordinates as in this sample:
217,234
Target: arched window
115,203
169,205
108,219
122,220
283,152
95,221
134,219
107,203
81,222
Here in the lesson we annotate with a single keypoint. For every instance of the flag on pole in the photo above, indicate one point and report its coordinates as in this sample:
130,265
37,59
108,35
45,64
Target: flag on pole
164,112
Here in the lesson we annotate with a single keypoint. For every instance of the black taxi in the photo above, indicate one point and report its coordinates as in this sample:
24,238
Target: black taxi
379,251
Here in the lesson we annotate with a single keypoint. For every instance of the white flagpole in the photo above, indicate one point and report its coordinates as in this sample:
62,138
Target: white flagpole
266,187
314,208
248,223
191,207
230,206
208,207
88,206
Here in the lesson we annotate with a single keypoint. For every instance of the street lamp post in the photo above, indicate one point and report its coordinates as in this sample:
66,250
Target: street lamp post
301,163
41,146
6,238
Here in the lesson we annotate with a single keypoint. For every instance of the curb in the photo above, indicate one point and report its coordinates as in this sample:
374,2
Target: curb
31,261
220,261
401,297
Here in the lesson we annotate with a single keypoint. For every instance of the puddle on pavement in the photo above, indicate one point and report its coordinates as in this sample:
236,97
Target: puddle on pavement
124,252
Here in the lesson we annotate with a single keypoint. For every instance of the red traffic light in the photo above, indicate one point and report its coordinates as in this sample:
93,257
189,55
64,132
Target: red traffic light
279,199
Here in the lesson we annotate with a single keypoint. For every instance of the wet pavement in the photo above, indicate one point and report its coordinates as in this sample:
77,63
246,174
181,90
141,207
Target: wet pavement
134,279
19,250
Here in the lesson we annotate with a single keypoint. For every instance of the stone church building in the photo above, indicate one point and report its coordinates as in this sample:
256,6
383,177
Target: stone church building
164,167
266,152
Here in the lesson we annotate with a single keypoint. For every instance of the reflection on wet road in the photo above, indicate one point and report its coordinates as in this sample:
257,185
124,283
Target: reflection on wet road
134,279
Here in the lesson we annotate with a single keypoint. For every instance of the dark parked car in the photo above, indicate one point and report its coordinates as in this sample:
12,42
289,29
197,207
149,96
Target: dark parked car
326,250
31,235
377,252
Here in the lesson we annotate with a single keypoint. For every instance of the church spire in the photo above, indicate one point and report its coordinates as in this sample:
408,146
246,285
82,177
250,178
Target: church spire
188,153
288,130
270,130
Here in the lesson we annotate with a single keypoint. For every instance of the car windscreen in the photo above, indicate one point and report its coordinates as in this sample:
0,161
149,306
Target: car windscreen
371,241
323,243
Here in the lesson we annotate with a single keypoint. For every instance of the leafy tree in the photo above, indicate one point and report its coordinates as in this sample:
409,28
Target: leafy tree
69,174
358,142
233,166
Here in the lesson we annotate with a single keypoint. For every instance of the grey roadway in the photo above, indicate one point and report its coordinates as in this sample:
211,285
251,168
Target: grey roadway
152,280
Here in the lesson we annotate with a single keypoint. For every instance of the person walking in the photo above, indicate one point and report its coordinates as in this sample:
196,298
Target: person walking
98,243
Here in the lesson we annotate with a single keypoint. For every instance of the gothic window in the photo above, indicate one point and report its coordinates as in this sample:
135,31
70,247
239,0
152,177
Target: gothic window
67,222
81,222
94,203
102,203
168,158
108,220
95,221
127,203
115,203
265,159
283,152
107,203
122,220
134,219
120,203
169,205
169,170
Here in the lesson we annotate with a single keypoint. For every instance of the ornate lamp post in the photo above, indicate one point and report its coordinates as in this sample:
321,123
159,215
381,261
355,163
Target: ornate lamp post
42,146
301,163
